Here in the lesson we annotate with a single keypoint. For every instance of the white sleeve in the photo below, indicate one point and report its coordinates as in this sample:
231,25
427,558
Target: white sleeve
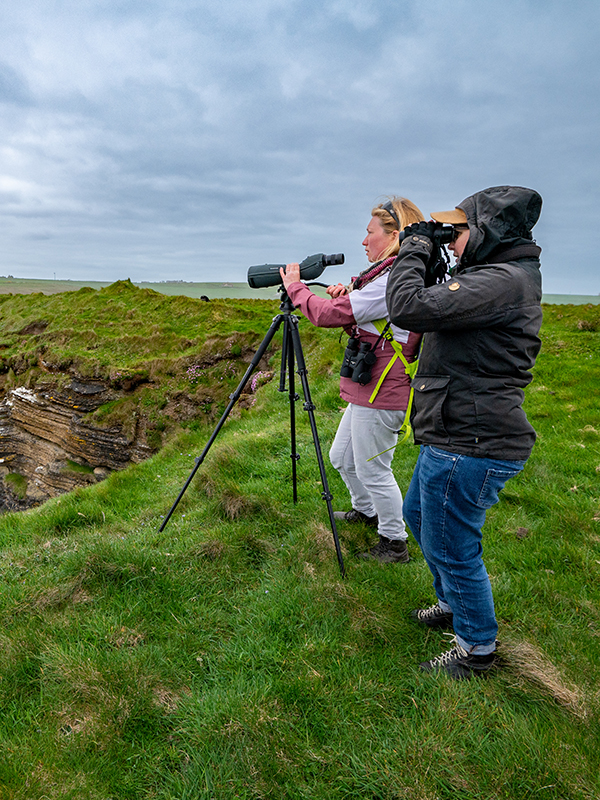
369,304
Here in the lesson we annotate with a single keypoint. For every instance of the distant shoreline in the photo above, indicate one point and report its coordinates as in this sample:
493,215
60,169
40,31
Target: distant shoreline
211,290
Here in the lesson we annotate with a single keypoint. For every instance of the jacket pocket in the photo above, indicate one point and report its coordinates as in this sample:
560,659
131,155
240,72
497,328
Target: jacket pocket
427,419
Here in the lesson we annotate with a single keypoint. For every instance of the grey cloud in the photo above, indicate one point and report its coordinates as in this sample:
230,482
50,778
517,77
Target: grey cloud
13,88
165,135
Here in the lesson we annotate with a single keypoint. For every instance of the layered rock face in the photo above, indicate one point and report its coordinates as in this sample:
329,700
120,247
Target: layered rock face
45,441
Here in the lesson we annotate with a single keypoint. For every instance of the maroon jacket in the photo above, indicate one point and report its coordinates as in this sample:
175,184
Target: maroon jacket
360,308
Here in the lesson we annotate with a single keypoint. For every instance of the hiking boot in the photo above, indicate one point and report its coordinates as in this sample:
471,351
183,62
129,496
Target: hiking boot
433,617
459,664
388,551
356,516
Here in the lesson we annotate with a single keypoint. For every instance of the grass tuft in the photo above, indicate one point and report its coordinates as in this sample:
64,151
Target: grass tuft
526,661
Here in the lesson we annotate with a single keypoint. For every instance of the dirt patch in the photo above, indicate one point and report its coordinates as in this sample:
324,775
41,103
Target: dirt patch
34,328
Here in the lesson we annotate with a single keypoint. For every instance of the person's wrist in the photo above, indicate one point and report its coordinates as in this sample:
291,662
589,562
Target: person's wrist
415,239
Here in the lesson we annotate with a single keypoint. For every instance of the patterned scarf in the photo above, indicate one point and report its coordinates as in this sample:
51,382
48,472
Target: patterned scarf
369,274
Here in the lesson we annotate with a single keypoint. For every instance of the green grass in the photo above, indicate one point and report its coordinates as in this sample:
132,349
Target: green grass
17,483
226,658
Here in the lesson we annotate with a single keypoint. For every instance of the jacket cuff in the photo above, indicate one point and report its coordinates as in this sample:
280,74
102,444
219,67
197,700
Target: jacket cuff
295,291
416,242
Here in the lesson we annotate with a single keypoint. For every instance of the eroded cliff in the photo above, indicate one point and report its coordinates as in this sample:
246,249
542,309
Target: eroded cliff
45,440
92,382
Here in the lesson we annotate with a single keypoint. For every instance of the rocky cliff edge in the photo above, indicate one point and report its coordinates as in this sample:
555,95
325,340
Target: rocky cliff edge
45,441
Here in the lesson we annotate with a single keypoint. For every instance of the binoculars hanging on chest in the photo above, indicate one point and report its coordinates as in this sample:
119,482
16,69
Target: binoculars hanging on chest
358,361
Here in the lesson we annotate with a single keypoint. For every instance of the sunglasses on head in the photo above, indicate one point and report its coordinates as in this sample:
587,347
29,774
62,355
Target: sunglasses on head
390,210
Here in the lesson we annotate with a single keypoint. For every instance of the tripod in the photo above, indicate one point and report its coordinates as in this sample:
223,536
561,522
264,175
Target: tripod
291,353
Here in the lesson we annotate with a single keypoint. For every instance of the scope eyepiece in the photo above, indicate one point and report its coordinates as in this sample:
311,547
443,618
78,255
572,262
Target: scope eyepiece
331,261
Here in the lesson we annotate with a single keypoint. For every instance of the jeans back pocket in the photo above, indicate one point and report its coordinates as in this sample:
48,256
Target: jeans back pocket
494,483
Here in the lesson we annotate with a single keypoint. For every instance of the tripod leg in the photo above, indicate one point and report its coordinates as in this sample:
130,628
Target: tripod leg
285,346
233,398
309,406
289,350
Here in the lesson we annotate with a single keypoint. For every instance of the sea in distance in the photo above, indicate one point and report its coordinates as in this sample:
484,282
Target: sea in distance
212,291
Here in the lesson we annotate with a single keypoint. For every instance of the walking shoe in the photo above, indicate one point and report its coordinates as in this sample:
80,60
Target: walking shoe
459,664
356,516
434,616
388,551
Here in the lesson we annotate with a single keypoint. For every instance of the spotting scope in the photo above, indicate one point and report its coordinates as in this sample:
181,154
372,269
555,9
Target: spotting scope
263,275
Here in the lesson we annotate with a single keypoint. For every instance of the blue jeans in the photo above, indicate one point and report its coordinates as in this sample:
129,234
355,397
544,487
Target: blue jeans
445,509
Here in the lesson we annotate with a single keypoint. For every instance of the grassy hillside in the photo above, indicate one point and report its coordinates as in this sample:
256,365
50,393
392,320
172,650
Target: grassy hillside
225,657
170,359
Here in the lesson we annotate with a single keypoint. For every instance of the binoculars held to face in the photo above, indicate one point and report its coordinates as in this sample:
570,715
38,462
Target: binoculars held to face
442,234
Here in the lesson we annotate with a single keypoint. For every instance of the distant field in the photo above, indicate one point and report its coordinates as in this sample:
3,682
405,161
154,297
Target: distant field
574,299
210,290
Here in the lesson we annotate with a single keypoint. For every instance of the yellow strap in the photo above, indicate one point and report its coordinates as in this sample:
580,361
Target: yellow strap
409,369
406,427
382,377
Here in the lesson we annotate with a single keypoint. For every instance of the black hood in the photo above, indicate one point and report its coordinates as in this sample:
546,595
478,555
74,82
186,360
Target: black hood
499,218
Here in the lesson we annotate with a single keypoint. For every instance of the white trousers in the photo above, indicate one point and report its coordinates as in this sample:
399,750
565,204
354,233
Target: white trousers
364,432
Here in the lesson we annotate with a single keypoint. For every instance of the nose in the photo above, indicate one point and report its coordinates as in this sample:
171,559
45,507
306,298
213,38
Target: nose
365,241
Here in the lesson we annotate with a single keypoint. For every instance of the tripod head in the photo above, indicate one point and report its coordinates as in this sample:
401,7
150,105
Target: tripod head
285,305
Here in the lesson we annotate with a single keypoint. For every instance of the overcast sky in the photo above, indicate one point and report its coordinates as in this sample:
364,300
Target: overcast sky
189,139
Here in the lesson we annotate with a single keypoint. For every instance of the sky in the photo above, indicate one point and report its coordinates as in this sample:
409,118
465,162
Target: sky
190,139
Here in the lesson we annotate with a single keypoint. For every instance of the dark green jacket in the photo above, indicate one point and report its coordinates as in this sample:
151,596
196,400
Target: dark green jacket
481,329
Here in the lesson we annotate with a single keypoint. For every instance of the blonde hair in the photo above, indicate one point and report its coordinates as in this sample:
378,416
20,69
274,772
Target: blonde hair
407,213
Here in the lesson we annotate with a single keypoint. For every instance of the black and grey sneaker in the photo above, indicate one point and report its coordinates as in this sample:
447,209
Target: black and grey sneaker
433,617
356,516
459,664
388,551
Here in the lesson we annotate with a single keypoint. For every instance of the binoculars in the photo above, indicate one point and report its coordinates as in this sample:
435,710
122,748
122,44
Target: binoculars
358,361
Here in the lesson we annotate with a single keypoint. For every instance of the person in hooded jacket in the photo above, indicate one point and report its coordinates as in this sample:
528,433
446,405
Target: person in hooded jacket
480,342
362,450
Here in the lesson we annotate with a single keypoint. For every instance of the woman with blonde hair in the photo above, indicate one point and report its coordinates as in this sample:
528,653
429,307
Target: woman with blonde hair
377,388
